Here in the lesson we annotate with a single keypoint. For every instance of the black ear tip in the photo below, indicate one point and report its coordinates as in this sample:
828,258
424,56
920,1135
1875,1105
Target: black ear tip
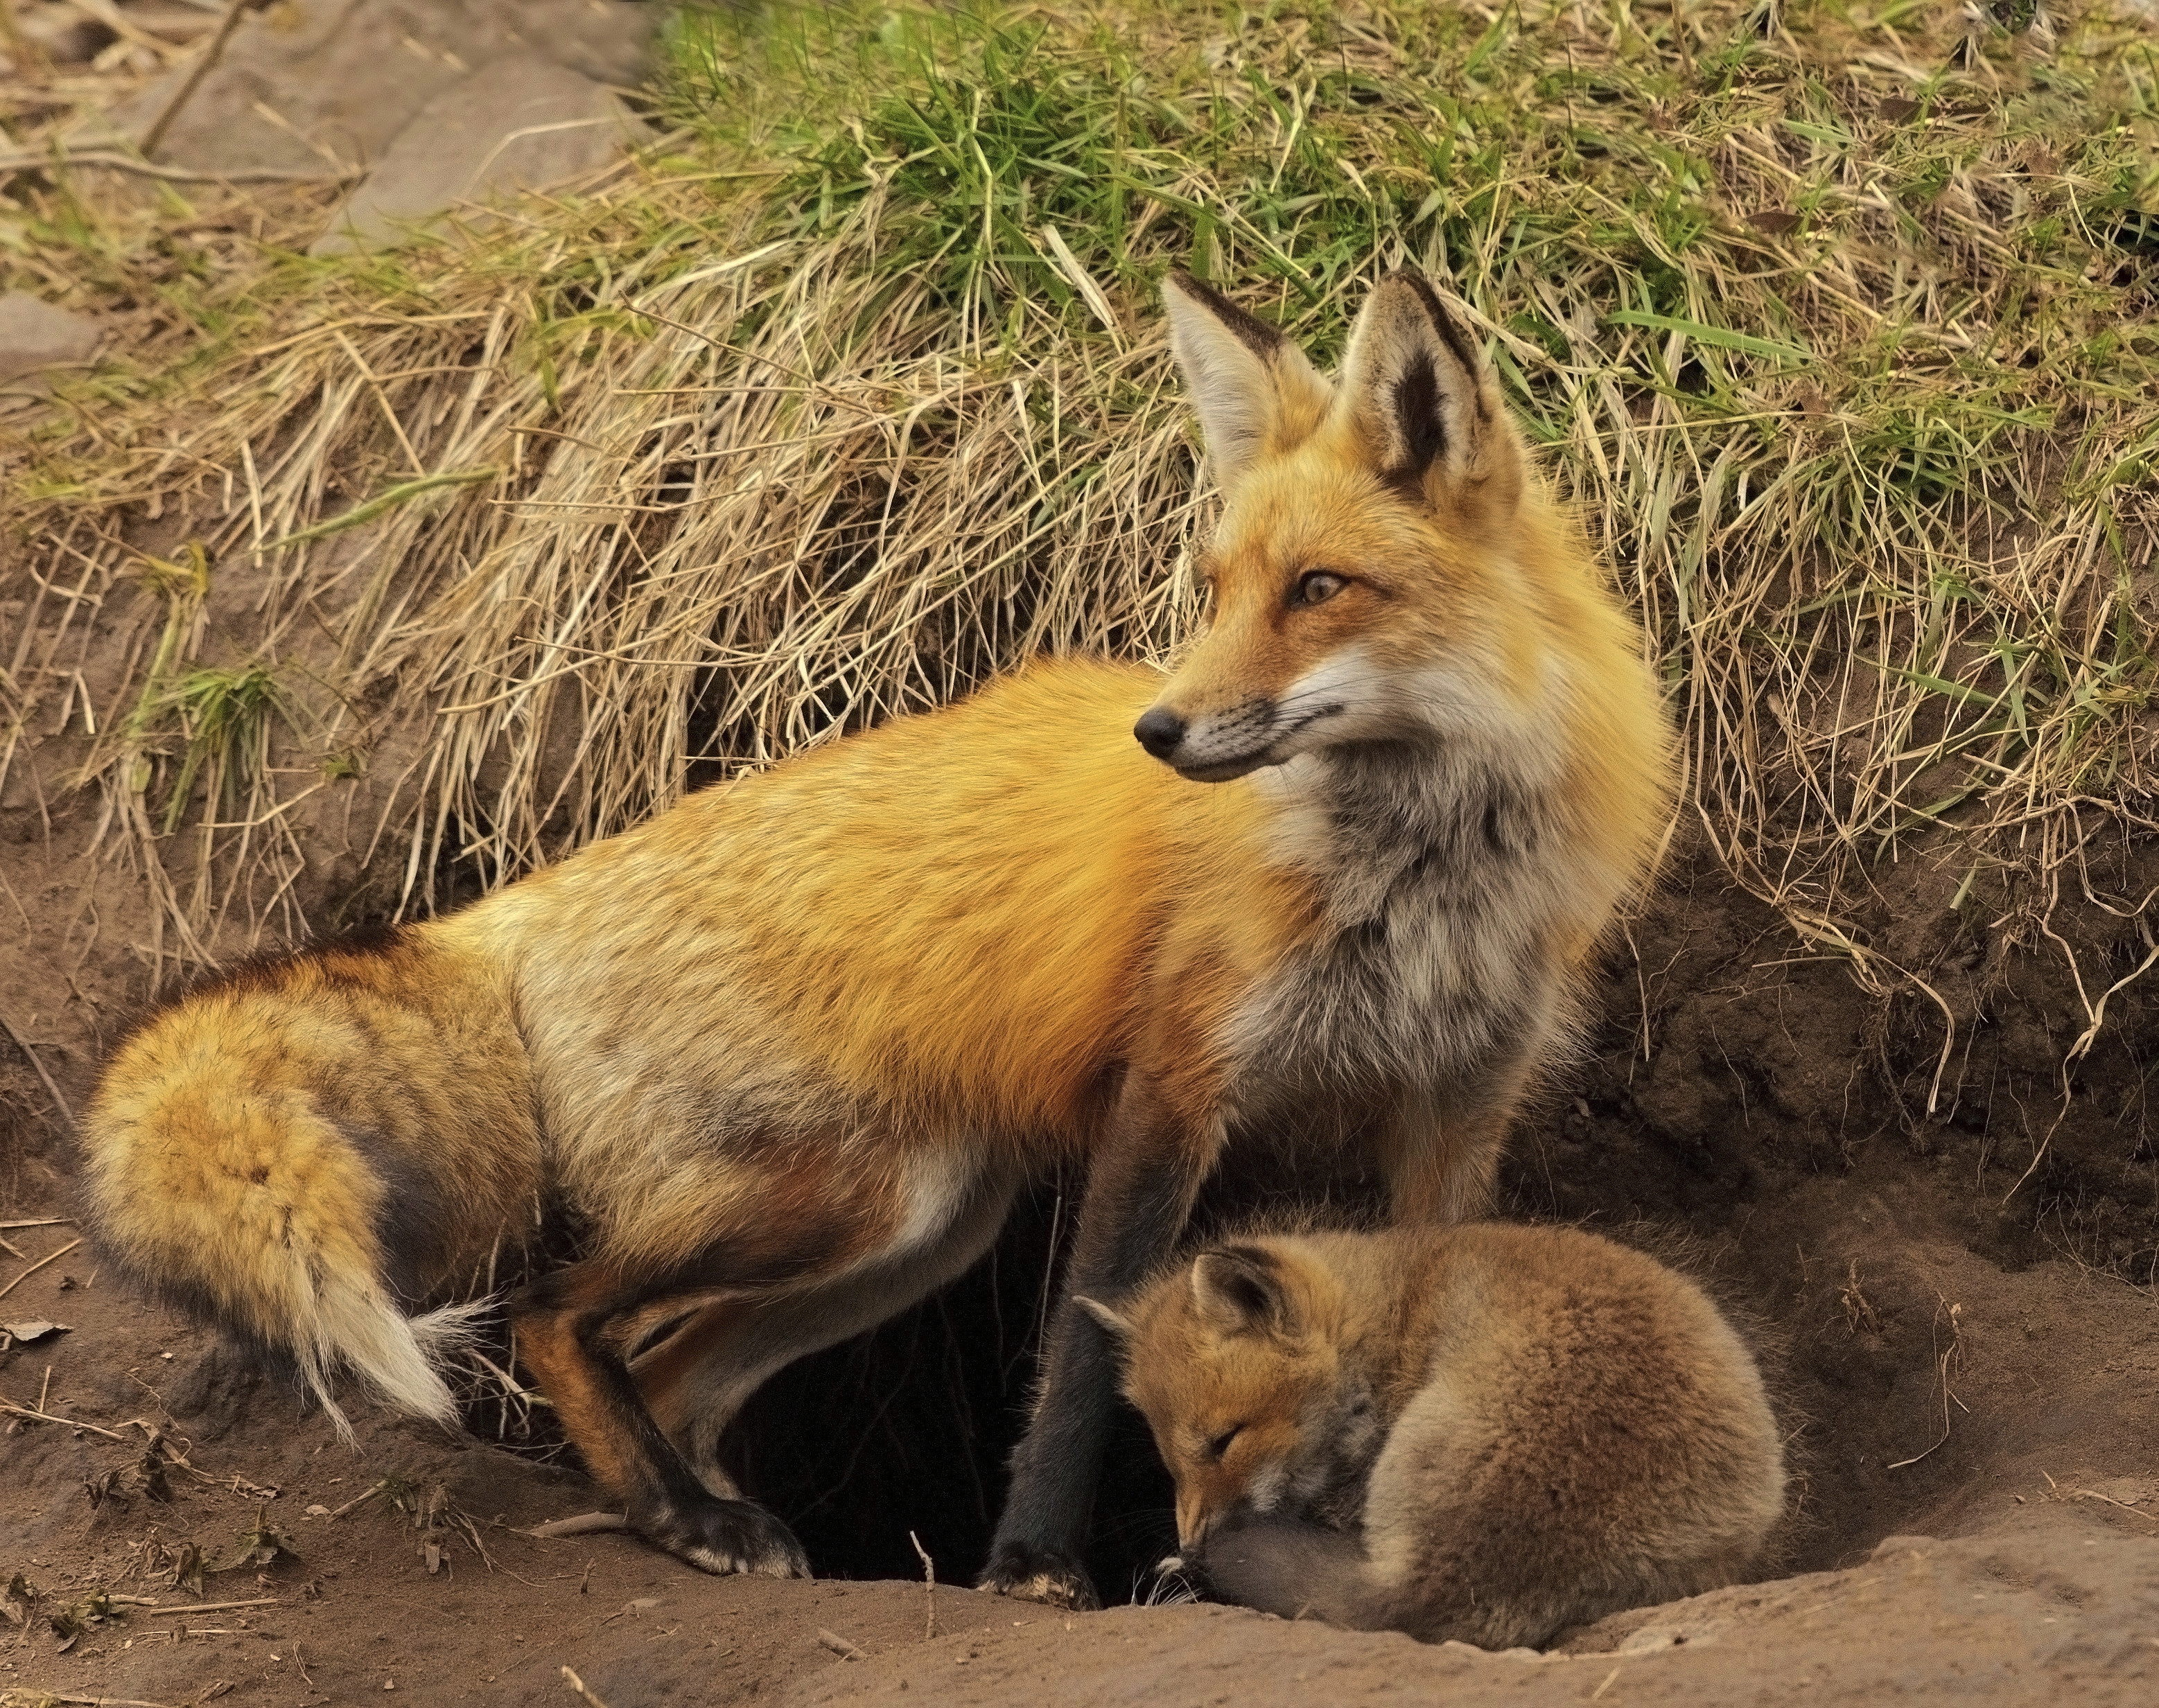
1256,335
1406,283
1443,319
1408,280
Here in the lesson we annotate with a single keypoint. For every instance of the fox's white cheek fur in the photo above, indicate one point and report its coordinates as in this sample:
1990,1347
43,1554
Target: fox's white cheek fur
1330,702
1460,699
1264,1491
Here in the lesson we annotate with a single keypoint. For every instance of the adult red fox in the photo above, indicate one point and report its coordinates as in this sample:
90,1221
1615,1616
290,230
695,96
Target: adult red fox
780,1057
1486,1433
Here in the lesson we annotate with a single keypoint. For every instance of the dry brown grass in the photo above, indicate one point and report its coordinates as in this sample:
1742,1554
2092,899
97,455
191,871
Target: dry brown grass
1839,328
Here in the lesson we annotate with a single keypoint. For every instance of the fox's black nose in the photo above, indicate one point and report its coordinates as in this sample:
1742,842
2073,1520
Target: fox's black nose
1159,732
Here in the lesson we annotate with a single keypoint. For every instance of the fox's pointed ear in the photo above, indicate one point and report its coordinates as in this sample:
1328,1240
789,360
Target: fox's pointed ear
1422,399
1240,1290
1121,1325
1255,390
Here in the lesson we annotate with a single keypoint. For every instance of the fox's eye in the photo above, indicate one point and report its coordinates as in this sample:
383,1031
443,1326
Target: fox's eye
1316,587
1219,1444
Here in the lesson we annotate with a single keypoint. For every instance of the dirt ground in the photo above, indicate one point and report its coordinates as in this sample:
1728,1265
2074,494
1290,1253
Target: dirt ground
1957,1355
2051,1582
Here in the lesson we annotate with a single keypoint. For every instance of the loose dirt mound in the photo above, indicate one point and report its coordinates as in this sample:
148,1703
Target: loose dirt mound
1949,1364
2035,1610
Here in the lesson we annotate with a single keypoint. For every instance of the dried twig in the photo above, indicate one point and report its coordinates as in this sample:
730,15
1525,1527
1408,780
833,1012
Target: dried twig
839,1645
171,1455
205,61
1946,1358
174,174
361,1498
215,1606
52,1090
929,1585
464,1520
53,1257
579,1685
2094,1494
15,1409
584,1524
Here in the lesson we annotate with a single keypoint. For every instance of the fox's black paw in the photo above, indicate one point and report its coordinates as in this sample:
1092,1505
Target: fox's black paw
724,1536
1042,1575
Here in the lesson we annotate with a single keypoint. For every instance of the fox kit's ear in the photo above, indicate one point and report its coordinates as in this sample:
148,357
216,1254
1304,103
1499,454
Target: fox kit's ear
1239,1290
1256,391
1419,396
1121,1326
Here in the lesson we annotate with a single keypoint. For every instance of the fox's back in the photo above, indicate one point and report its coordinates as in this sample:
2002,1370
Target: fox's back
1600,1401
963,915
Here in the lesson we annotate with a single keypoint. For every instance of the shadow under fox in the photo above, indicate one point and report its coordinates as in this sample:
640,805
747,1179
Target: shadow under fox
784,1054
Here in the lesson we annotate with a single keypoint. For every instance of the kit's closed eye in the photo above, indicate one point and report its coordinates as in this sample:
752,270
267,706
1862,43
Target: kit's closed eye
1316,587
1219,1444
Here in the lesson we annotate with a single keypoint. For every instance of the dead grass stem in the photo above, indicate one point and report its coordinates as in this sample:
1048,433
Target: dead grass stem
1838,327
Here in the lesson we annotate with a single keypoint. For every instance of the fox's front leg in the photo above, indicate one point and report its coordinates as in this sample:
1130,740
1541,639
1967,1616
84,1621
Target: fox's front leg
1139,1194
1440,1151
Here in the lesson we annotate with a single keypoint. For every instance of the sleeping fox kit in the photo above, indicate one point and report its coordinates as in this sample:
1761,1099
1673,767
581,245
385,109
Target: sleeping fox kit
780,1057
1484,1432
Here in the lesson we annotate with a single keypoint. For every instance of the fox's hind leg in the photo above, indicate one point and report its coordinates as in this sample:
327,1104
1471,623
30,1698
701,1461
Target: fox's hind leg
701,1375
568,1326
775,1282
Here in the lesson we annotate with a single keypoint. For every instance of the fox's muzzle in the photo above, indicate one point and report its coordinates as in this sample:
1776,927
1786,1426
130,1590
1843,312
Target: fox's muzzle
1213,748
1160,730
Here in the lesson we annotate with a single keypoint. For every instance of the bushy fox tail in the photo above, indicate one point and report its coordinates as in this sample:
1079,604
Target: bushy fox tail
399,1356
1300,1571
234,1197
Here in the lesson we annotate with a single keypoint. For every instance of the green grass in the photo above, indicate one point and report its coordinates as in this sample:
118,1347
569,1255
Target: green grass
1837,325
223,715
200,723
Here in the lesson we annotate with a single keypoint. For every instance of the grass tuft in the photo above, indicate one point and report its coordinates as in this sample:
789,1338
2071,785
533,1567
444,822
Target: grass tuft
1836,322
224,716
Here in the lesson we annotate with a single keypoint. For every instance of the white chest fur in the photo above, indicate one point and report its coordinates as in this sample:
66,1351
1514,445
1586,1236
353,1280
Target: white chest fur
1453,890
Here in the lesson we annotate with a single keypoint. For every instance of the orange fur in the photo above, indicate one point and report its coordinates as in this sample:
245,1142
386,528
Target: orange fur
798,1039
1480,1432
